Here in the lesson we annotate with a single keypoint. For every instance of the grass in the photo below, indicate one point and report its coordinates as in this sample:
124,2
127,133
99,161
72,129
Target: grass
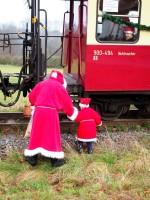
18,107
10,68
5,100
16,69
108,174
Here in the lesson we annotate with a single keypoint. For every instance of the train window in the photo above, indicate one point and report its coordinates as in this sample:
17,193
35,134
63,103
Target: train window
114,18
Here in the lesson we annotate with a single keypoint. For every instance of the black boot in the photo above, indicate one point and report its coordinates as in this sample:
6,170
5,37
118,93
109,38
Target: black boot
57,162
89,147
32,160
80,147
90,151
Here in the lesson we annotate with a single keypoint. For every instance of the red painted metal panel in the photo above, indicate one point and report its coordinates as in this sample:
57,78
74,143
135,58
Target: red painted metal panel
117,68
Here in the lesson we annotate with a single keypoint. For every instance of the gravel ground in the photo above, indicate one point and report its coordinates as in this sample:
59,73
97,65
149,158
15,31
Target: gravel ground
13,140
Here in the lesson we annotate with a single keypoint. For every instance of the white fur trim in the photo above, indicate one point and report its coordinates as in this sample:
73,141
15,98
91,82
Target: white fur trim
87,140
54,74
33,109
44,152
128,32
74,115
65,83
83,105
100,124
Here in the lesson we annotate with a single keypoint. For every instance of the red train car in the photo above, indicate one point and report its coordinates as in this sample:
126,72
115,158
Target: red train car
108,50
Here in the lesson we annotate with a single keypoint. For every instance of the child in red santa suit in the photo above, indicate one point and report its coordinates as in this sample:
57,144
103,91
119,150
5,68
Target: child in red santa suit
48,97
88,119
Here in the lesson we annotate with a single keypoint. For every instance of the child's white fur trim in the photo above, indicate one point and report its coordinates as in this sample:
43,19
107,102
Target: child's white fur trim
87,140
83,105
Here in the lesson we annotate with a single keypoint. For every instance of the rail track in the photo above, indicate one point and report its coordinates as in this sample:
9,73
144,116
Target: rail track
13,127
17,118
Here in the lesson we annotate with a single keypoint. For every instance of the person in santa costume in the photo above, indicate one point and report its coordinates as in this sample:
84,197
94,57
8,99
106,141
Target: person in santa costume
88,119
128,33
48,97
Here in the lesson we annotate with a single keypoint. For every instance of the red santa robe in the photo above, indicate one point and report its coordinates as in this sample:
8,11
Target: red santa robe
49,97
88,119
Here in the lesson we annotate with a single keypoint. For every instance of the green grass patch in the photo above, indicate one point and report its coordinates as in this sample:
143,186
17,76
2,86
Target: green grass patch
10,68
109,158
18,107
103,175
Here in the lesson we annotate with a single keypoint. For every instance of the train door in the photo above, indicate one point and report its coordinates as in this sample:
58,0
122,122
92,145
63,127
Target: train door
74,41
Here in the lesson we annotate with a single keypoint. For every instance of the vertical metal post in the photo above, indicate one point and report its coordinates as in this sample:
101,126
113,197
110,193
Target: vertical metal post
80,36
81,16
70,35
62,39
33,34
46,34
38,41
33,18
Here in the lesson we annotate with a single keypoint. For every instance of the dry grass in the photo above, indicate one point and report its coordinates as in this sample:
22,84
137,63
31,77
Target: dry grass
108,174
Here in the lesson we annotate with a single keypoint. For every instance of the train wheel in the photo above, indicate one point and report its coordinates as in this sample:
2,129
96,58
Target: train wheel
110,111
143,108
112,115
125,109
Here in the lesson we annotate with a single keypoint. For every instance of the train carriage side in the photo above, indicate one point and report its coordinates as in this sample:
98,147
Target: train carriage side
117,69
